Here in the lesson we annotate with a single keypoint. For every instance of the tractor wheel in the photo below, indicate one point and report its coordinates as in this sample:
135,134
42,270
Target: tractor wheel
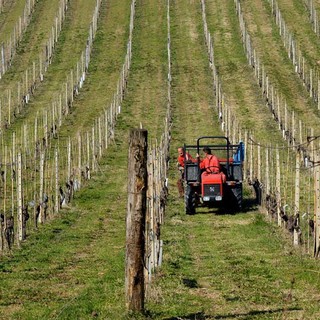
237,198
190,200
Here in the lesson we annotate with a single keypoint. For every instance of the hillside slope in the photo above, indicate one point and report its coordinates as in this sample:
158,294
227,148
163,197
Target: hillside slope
215,266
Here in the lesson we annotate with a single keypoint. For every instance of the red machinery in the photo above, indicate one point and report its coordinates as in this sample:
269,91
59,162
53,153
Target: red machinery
214,188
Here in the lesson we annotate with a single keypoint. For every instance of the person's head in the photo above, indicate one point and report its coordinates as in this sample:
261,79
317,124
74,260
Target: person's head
206,150
180,151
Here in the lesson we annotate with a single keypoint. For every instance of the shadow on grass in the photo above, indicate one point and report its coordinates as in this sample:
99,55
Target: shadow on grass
251,314
248,205
190,283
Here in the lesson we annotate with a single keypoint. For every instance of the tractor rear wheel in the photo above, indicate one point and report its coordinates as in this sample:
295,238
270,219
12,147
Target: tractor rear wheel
190,200
237,198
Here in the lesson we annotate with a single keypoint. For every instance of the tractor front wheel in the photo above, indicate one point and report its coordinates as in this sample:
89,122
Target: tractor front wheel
190,200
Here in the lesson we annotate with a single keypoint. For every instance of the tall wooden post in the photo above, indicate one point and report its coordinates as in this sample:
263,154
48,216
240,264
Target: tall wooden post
135,224
41,217
317,209
278,188
21,226
296,234
57,202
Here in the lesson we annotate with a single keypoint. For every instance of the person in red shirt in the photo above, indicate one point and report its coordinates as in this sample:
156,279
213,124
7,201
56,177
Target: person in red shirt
210,163
183,156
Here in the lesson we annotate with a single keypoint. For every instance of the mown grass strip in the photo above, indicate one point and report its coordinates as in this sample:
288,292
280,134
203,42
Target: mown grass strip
277,64
80,267
61,65
12,10
147,89
32,43
108,54
241,90
106,295
206,265
308,42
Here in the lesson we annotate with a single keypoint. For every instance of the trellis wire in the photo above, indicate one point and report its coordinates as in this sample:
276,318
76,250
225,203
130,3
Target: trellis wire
287,120
15,99
274,199
63,176
157,186
10,46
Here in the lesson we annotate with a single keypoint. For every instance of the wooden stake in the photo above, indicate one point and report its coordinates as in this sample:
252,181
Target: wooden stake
21,226
57,202
41,191
135,221
297,197
317,209
278,187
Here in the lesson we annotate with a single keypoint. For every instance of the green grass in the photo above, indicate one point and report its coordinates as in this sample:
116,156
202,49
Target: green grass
63,268
147,88
269,45
221,266
9,17
215,266
68,50
32,44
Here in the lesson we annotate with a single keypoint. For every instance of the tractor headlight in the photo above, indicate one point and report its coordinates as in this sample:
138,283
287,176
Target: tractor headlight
206,198
218,198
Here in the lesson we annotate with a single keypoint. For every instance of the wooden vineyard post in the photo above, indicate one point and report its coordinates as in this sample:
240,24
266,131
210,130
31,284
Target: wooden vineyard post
285,121
88,155
135,221
69,160
93,146
100,137
267,181
251,161
293,131
296,234
317,209
5,178
106,128
245,163
57,204
278,187
9,107
312,150
12,159
259,164
79,157
21,231
41,192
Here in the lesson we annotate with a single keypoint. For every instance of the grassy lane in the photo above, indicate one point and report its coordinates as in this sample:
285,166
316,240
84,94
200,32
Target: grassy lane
71,43
232,267
146,100
12,10
192,95
317,5
214,266
266,40
73,267
79,259
32,43
108,54
238,83
222,266
293,12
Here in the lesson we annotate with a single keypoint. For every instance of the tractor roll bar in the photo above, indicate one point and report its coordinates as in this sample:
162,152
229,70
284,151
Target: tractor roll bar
227,146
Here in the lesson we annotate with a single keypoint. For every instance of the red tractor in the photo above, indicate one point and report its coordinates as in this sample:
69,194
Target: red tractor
214,187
